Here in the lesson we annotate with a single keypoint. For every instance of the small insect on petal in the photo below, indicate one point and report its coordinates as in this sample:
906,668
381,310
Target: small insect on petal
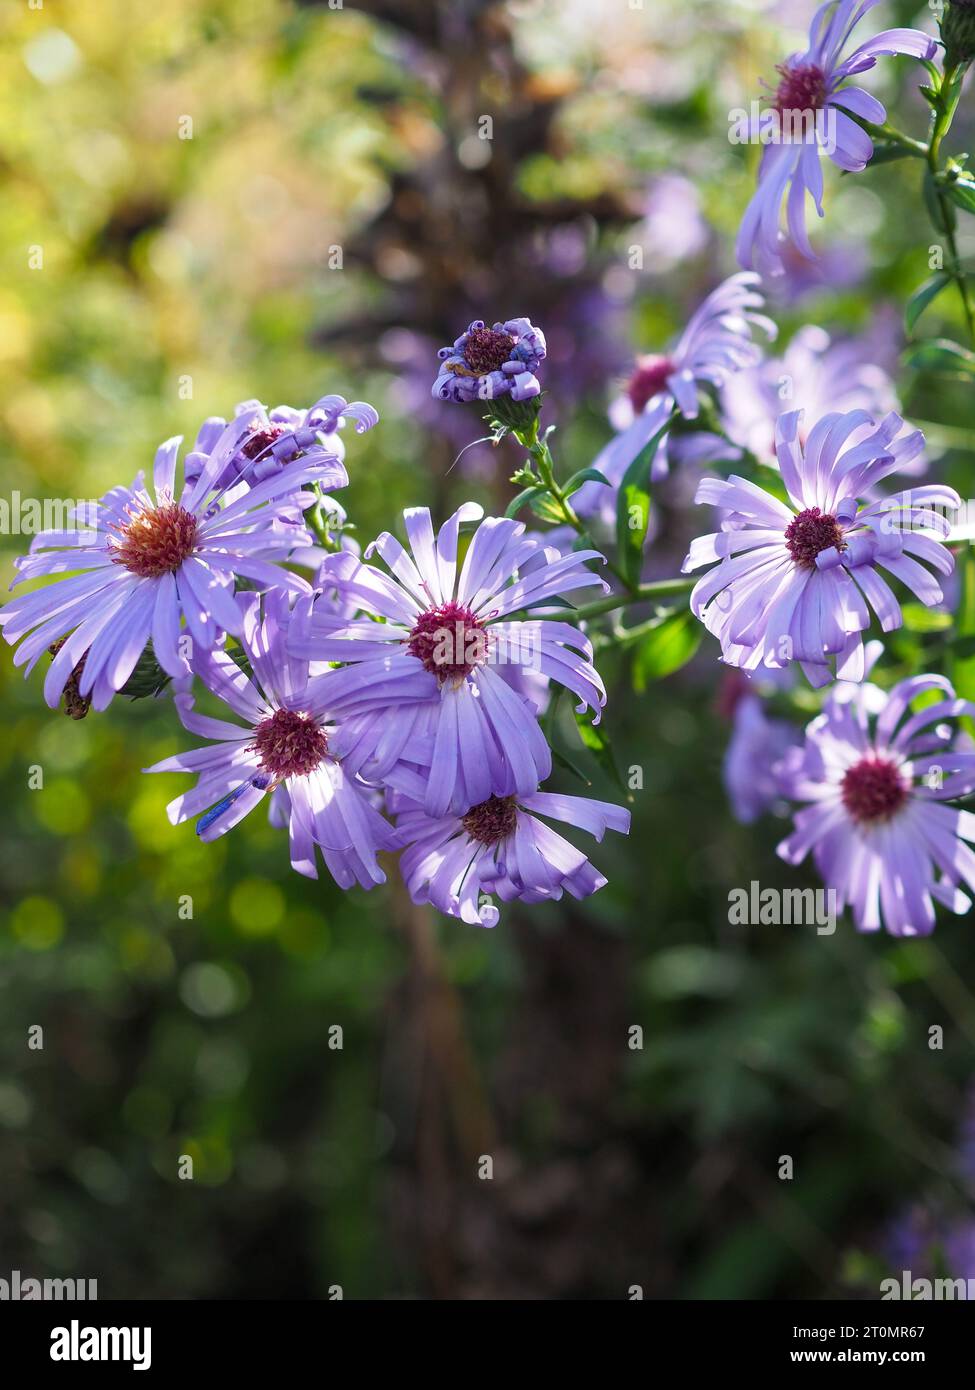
215,812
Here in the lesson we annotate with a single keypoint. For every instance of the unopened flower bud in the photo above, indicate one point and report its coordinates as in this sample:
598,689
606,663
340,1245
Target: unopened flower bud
958,32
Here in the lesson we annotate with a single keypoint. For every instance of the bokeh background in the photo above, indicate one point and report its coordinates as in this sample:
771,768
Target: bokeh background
207,265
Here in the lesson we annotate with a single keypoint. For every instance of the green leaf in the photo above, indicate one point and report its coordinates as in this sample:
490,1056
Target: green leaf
942,215
585,475
516,503
596,739
666,649
546,508
922,297
886,151
962,192
563,761
940,355
634,501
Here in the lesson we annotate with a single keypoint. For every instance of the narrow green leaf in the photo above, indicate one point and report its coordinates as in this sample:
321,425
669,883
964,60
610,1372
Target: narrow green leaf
942,215
516,503
962,192
922,297
940,355
666,649
886,151
566,762
585,475
596,739
633,507
546,508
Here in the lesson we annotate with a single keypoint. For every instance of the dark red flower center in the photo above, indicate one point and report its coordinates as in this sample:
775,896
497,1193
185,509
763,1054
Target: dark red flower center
873,790
290,744
256,443
809,533
492,820
450,641
487,350
649,378
156,541
801,88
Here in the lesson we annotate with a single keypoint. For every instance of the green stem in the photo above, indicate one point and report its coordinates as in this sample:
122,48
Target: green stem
317,522
897,137
544,462
941,124
542,454
639,593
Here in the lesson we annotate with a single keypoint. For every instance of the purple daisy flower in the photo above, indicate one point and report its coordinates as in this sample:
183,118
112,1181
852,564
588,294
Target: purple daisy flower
285,748
149,561
716,343
501,848
876,774
474,732
815,375
278,437
794,581
813,83
485,363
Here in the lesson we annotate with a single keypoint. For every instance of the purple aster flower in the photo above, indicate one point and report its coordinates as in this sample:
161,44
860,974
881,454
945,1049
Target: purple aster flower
453,632
876,775
813,84
814,375
277,438
501,848
751,762
149,561
796,581
284,747
716,342
485,363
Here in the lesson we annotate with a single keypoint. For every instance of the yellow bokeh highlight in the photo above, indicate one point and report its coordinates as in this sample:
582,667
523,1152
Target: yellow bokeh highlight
37,923
257,906
62,806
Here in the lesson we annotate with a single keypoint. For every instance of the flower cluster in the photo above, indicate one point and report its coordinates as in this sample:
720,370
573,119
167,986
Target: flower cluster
394,701
368,696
